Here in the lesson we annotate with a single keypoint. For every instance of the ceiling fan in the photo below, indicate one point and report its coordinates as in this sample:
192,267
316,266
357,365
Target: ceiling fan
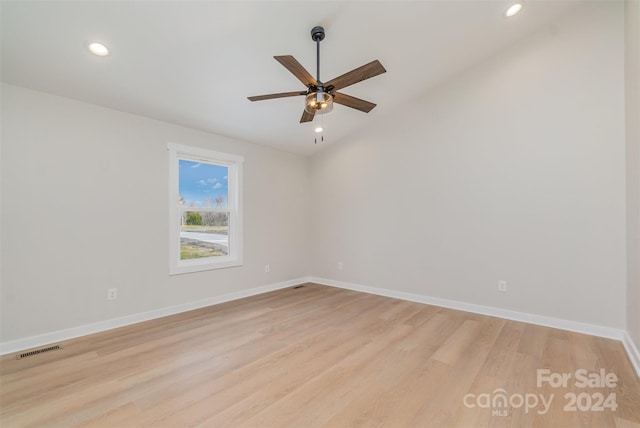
321,96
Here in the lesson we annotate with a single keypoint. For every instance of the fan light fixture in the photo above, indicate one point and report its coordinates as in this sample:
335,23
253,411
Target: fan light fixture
319,102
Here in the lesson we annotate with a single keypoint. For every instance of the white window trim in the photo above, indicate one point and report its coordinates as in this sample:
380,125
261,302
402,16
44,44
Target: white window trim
234,203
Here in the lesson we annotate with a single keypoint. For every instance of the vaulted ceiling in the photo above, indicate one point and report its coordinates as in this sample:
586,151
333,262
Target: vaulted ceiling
195,63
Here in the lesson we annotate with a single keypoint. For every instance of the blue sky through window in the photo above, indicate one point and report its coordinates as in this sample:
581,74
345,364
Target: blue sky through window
201,183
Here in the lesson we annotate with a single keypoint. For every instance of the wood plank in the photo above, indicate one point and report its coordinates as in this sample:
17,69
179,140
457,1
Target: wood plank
314,356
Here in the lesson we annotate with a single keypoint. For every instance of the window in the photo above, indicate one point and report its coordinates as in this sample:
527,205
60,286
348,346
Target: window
205,209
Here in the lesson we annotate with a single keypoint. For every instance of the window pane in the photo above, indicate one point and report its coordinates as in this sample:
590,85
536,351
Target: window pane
203,185
204,234
205,202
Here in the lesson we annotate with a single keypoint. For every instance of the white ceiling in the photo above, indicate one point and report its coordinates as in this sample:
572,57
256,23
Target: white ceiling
194,63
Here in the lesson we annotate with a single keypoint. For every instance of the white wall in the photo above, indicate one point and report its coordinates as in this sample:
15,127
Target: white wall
513,170
632,75
85,208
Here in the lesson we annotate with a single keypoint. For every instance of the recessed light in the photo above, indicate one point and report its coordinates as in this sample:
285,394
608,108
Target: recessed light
98,49
319,129
515,8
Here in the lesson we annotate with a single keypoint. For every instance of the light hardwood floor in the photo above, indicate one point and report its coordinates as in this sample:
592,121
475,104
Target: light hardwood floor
317,356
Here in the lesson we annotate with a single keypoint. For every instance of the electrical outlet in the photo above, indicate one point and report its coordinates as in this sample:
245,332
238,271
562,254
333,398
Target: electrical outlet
267,269
112,294
339,265
502,286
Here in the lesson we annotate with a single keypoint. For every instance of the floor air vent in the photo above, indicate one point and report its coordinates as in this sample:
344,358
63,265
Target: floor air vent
297,286
37,351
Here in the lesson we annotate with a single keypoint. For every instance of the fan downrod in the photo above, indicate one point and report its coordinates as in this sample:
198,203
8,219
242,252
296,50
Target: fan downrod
317,34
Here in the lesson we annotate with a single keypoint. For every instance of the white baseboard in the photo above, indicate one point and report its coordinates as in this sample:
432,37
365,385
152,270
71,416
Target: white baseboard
592,329
97,327
632,352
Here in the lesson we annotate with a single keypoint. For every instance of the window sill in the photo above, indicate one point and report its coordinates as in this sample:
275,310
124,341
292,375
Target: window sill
200,265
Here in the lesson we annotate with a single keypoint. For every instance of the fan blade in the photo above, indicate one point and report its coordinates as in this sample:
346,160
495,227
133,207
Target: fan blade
307,117
359,74
291,64
353,102
280,95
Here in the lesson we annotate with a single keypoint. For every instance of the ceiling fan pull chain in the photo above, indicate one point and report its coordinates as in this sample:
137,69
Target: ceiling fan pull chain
320,130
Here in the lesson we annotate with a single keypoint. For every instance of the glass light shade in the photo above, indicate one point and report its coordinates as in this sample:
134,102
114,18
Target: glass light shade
319,103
